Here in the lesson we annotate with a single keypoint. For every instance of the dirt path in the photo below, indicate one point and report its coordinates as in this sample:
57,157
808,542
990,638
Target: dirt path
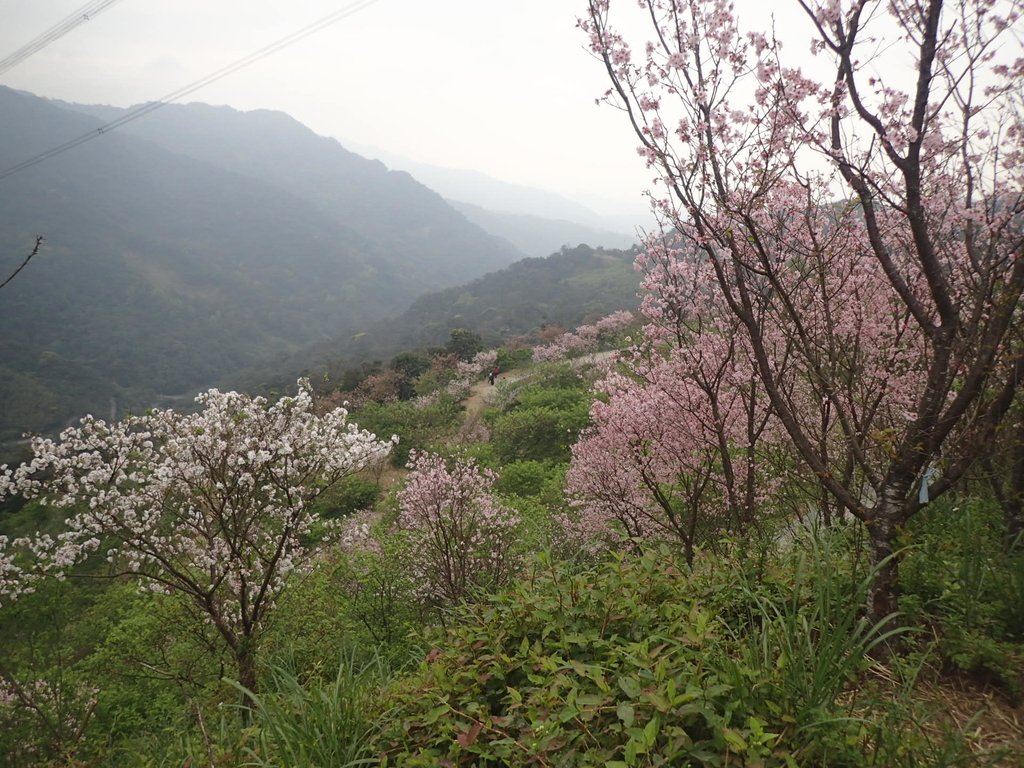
476,401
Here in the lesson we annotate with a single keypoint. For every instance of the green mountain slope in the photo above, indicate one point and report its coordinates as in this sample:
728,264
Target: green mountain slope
424,239
163,272
568,288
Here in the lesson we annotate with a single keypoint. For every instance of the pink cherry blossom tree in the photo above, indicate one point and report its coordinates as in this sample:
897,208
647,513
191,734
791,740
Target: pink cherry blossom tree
859,224
677,450
461,538
213,506
585,338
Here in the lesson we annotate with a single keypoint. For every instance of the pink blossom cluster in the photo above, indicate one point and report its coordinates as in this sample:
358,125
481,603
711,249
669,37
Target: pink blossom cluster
461,538
585,338
677,448
356,532
857,236
481,363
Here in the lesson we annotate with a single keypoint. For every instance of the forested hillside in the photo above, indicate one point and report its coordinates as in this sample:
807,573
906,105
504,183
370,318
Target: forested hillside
421,239
162,272
567,288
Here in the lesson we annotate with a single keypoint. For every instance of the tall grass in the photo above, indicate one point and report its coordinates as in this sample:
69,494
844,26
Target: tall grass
316,723
811,645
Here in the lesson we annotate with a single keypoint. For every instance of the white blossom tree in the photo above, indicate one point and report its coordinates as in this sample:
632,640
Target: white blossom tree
214,506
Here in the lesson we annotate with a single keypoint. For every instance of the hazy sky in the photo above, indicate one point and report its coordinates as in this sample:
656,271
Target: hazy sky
506,88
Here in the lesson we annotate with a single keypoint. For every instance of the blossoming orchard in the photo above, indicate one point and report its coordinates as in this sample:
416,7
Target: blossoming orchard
213,506
859,234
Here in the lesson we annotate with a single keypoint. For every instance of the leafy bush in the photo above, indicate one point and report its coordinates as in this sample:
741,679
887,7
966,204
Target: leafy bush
379,594
537,434
350,495
961,578
418,427
526,478
568,399
512,358
624,664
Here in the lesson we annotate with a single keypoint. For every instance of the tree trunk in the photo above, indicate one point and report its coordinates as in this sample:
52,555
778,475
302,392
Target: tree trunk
882,529
245,659
884,590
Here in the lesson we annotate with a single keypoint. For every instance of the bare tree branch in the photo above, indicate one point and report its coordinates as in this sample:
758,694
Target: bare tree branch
35,250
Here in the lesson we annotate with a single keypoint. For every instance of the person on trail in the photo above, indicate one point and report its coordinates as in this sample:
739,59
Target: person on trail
493,375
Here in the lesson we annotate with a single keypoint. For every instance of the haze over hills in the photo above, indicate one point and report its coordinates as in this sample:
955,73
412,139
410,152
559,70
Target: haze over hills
423,239
539,236
203,241
273,146
469,186
164,271
567,289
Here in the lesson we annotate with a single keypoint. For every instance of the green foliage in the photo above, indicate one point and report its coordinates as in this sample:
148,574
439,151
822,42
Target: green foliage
571,398
526,478
108,672
47,708
816,641
540,420
315,723
624,664
31,517
352,494
538,433
563,289
464,343
418,427
513,358
960,577
410,366
380,601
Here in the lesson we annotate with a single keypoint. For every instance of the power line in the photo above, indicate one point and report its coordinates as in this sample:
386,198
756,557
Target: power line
213,77
86,13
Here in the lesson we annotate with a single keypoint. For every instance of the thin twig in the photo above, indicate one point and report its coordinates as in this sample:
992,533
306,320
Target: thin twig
35,250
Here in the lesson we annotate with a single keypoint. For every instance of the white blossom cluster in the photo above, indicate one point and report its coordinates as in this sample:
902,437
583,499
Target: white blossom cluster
214,505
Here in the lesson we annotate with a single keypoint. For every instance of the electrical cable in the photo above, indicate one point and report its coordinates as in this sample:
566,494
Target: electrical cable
145,109
86,13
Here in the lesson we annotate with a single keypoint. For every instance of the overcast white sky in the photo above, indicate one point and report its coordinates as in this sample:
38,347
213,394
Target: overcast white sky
506,88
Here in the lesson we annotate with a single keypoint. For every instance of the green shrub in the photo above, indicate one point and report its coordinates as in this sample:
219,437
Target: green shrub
960,578
558,398
538,433
526,478
418,427
351,495
513,358
624,664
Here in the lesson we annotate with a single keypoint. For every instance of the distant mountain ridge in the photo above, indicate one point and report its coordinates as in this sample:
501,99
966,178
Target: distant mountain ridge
218,241
540,236
507,198
273,146
411,221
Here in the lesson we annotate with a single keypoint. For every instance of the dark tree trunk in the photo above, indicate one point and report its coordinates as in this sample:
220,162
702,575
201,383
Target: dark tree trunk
883,525
884,591
245,659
